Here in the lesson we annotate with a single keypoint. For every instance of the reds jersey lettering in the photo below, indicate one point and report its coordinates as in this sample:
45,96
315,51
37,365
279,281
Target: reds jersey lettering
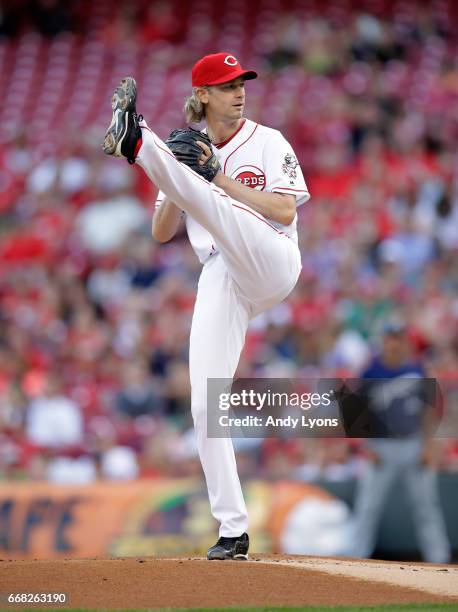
250,176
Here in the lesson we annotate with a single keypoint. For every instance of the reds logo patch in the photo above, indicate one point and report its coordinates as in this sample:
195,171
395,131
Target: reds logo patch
251,176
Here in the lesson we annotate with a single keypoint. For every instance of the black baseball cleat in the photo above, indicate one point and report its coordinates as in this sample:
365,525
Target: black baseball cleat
230,548
124,132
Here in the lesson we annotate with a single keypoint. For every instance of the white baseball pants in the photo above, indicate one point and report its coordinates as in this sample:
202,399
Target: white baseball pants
256,267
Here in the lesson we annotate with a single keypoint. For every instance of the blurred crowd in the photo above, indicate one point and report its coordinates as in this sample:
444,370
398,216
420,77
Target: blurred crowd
95,317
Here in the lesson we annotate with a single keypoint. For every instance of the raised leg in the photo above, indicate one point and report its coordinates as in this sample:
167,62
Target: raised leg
262,261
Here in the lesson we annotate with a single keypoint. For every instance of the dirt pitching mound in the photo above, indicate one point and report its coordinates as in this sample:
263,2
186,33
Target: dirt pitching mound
194,582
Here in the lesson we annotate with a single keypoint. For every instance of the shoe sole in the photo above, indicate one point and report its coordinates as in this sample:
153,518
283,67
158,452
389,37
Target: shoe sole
122,102
234,558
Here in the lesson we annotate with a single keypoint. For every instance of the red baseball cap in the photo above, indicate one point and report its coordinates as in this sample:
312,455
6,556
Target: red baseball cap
219,68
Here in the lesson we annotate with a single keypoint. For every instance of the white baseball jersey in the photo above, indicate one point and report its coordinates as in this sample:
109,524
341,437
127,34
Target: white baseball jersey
260,158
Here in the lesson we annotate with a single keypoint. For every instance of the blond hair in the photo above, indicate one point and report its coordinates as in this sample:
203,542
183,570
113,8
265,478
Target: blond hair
193,108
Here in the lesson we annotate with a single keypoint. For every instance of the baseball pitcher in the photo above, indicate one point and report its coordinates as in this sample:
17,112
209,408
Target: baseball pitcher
237,184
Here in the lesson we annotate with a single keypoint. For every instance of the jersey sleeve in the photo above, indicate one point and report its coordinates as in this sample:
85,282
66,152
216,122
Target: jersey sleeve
283,173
